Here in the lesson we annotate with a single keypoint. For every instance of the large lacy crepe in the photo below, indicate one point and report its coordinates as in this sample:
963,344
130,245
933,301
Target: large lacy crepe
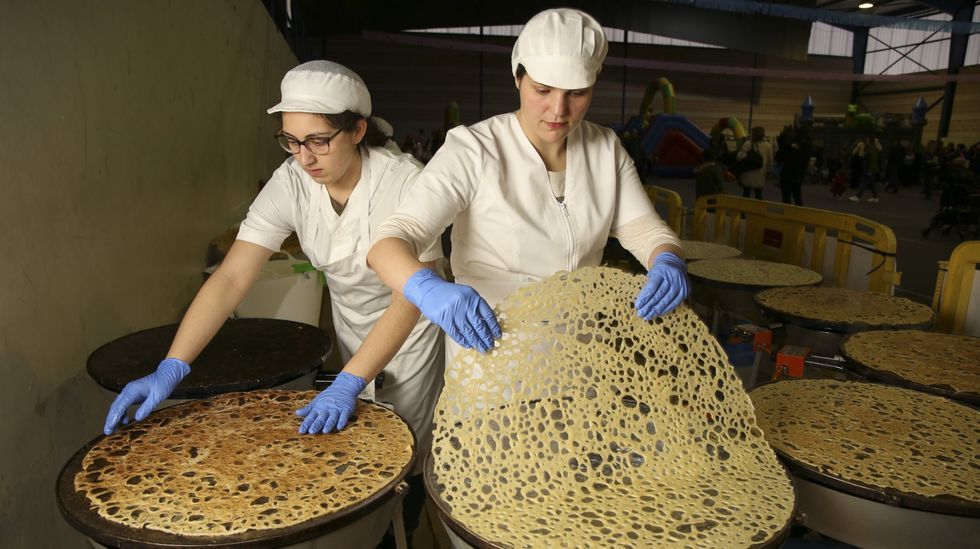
588,426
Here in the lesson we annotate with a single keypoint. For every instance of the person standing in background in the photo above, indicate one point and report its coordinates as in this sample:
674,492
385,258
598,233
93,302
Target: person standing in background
911,165
856,155
894,165
795,157
708,177
752,181
930,169
870,150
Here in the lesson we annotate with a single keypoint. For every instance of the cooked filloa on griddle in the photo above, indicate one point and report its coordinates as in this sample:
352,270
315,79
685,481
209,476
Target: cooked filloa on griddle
878,436
235,463
696,249
845,307
948,363
752,272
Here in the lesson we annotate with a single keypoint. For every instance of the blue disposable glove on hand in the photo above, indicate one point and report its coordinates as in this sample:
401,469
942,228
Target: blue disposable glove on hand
151,390
457,309
333,406
667,286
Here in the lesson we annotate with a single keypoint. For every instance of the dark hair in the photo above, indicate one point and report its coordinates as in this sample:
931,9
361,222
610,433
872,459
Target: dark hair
521,71
758,133
347,121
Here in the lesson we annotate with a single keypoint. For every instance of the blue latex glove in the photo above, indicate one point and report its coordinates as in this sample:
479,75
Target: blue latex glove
151,390
457,309
667,286
333,406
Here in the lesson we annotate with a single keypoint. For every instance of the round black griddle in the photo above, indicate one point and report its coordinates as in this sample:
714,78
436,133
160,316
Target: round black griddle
735,298
741,286
944,504
880,373
431,479
948,505
78,512
245,354
840,327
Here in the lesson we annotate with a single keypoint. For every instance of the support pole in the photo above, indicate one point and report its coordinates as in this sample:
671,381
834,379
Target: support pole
626,55
755,64
859,50
480,109
957,56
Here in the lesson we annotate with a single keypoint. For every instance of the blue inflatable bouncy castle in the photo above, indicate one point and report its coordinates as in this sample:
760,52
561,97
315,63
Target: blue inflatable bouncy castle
671,143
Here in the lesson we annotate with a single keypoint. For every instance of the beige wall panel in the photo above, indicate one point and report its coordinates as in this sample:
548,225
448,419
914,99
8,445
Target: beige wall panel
964,126
902,103
133,133
411,84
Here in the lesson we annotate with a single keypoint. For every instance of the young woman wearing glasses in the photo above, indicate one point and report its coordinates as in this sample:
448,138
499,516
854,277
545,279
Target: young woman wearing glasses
333,192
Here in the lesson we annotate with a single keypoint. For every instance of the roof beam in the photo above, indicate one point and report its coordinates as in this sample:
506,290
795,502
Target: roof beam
949,6
769,35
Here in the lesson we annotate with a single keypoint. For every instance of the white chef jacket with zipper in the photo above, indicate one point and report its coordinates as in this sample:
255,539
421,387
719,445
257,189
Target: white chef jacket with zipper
508,228
337,245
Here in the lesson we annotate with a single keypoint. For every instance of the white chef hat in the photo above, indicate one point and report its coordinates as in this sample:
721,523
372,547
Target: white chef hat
383,126
563,48
323,87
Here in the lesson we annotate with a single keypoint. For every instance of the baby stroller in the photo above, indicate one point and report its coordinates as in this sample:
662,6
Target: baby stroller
959,207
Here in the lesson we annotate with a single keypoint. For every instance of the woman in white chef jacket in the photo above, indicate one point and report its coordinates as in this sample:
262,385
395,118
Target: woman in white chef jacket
528,193
333,191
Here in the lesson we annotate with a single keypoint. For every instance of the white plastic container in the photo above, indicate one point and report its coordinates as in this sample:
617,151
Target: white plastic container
279,292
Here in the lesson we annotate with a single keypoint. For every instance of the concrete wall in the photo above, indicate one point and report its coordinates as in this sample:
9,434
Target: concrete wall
132,133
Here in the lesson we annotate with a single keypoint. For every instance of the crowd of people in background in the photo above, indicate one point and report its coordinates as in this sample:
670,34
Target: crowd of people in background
905,165
788,160
792,160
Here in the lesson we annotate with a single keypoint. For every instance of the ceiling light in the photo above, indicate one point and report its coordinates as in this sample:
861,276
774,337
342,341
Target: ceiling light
865,5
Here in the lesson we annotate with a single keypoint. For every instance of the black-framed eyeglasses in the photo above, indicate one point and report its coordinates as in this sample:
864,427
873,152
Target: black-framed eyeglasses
316,144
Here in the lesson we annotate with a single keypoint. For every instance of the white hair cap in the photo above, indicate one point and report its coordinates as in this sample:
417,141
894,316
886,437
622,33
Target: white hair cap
323,87
383,126
562,48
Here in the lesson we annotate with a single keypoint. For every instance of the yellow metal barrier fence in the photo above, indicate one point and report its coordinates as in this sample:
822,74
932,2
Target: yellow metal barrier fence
957,291
820,240
672,201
